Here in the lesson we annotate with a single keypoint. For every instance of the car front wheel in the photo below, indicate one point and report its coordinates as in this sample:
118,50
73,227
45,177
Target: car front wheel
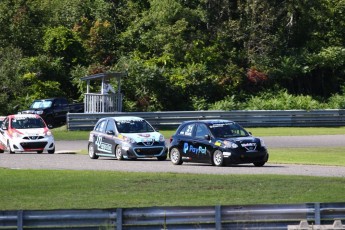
218,159
118,152
259,164
91,151
9,147
52,151
175,156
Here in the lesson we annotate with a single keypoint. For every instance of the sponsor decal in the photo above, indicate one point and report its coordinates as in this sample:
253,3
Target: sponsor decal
144,134
218,143
102,146
196,150
249,146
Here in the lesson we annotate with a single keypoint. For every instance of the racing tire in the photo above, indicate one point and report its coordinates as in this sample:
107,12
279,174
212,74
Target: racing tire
91,151
2,151
259,164
118,152
218,158
39,151
175,156
162,158
52,151
9,148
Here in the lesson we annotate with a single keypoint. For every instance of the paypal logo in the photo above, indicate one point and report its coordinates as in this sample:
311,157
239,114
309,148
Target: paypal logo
191,148
185,147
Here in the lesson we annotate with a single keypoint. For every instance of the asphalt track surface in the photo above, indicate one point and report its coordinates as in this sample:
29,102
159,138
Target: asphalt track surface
66,158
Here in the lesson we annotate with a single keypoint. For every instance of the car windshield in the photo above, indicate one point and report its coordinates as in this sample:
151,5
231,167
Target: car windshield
134,126
227,130
41,104
27,123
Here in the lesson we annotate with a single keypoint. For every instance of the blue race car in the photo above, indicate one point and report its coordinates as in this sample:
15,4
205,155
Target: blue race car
217,142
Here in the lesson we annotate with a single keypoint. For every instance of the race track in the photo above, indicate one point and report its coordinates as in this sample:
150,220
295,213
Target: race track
65,158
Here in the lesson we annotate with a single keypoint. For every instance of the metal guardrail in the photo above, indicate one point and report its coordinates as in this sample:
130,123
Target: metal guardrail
250,118
271,216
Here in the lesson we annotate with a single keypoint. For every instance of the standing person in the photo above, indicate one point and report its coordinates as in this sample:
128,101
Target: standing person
107,87
108,99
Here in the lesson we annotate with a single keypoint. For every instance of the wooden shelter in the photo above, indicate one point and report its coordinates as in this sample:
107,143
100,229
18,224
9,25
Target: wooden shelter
103,102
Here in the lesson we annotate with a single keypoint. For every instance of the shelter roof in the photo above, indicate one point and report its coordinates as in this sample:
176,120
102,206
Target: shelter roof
104,76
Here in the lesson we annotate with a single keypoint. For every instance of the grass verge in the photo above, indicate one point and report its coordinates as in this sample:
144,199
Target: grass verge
309,156
55,189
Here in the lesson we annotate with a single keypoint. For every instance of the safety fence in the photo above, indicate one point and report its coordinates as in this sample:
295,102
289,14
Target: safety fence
247,118
269,216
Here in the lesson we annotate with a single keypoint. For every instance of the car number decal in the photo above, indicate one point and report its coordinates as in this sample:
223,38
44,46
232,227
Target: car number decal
102,146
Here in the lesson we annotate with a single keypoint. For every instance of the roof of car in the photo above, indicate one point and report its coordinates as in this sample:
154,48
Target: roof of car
209,121
23,115
127,118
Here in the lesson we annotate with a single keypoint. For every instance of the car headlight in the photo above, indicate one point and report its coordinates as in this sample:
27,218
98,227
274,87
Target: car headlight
262,143
48,133
231,145
128,139
39,112
161,138
17,135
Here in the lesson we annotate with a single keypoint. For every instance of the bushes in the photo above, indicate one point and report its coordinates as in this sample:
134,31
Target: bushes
280,100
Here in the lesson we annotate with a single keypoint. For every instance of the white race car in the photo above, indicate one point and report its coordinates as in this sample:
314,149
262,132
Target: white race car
26,133
126,137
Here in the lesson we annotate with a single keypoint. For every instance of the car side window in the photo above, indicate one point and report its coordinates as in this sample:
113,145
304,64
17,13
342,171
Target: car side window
5,124
201,131
110,126
187,130
101,126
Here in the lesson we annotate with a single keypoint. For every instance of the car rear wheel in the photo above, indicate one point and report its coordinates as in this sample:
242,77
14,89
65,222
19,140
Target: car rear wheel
1,150
50,122
9,147
118,152
175,156
91,150
40,151
218,159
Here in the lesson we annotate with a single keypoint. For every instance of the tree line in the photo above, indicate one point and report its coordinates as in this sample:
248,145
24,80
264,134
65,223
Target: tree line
179,55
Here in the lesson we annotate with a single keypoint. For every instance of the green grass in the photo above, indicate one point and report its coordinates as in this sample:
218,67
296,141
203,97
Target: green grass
296,131
62,133
68,189
316,156
55,189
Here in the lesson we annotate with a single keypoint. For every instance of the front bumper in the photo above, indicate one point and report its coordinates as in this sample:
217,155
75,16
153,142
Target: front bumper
142,151
30,145
242,157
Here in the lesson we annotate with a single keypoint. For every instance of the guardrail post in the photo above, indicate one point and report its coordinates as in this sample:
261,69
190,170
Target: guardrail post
317,213
119,219
218,217
20,220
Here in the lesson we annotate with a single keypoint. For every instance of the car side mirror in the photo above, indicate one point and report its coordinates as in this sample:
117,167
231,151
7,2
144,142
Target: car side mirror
110,132
207,137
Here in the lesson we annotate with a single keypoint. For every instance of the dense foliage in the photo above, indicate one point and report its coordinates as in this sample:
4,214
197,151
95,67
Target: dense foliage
179,55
